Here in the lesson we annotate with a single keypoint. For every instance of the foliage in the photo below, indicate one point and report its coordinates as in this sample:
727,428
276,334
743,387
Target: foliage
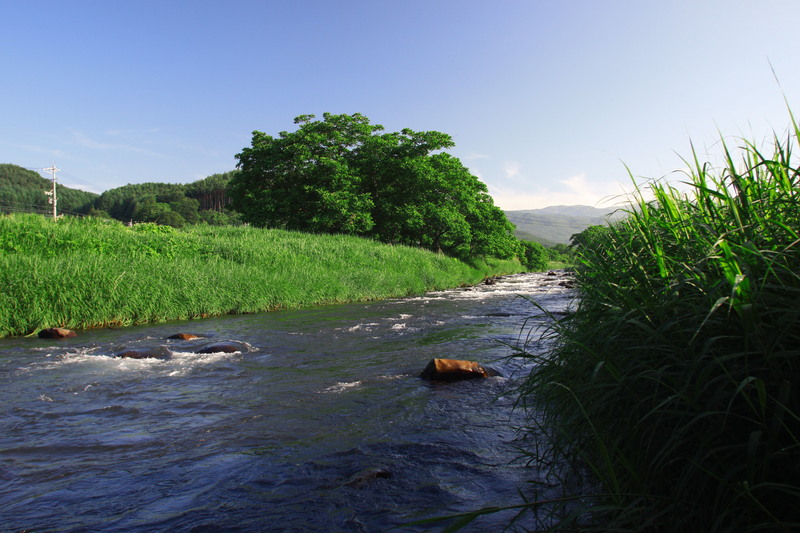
560,253
91,272
534,256
340,175
170,204
210,191
590,238
23,190
204,201
675,382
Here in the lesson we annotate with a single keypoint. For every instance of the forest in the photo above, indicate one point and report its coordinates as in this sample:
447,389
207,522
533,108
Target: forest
169,204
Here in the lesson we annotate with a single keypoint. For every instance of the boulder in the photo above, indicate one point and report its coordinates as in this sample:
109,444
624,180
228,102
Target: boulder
154,352
56,333
184,336
222,347
453,370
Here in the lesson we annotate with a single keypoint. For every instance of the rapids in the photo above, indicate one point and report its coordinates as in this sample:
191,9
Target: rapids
320,423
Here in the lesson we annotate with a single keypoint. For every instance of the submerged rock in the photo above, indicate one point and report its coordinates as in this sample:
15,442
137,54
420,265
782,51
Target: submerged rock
154,352
56,333
453,370
222,347
366,476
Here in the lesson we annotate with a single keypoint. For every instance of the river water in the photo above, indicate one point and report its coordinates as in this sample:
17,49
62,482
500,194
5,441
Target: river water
320,422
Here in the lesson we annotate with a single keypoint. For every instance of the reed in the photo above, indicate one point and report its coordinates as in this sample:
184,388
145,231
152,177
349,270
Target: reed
671,396
83,273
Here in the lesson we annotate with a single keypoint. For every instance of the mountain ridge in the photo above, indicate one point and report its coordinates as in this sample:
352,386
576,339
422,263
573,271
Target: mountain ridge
556,224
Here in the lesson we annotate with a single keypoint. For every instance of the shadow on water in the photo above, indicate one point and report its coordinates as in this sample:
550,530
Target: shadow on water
319,423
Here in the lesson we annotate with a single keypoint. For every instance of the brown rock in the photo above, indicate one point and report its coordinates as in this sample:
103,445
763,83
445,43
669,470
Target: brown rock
184,336
56,333
453,370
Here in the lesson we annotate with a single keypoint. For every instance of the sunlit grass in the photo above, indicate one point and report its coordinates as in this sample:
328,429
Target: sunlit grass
675,386
82,273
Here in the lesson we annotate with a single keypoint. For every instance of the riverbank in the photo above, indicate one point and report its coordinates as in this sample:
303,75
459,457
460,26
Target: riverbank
89,272
674,385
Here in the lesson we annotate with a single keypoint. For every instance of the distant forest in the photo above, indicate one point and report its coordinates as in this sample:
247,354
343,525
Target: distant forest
172,204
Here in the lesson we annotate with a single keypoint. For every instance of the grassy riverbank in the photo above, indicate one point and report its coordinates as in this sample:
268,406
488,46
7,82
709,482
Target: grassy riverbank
676,384
83,273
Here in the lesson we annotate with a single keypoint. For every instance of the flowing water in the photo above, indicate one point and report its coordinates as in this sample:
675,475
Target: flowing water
319,423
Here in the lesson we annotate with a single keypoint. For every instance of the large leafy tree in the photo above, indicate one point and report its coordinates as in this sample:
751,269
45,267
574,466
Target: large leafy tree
344,175
304,180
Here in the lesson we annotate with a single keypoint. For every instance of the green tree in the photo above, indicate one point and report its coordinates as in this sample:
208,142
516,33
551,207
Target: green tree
187,208
591,237
534,256
303,180
210,191
342,175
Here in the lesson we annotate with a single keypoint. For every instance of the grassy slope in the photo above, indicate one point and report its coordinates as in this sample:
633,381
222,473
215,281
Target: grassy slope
81,273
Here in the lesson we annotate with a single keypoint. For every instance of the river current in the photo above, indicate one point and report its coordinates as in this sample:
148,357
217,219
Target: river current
319,423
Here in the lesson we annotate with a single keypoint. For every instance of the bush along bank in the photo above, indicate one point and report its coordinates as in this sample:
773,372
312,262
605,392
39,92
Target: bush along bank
82,273
676,382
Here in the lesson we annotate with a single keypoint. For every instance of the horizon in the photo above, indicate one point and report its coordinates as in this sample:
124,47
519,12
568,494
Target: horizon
187,183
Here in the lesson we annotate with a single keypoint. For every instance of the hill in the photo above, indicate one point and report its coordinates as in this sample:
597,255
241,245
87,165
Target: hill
172,204
556,224
23,191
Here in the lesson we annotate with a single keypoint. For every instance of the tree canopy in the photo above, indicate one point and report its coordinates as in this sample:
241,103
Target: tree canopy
342,174
171,204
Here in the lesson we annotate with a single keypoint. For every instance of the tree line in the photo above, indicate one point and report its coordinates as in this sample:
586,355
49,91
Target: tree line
171,204
340,175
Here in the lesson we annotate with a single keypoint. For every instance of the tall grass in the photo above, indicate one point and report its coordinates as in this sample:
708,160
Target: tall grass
674,389
82,273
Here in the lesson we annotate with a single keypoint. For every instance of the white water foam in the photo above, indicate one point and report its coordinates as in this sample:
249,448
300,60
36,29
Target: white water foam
87,359
341,386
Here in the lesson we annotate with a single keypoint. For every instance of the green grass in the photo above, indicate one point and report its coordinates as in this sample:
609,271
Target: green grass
671,397
84,273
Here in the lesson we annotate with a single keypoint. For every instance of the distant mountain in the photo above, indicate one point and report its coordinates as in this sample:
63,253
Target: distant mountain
556,224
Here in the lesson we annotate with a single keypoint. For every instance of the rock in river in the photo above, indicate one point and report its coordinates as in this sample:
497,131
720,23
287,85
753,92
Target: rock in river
222,347
154,352
453,370
185,336
56,333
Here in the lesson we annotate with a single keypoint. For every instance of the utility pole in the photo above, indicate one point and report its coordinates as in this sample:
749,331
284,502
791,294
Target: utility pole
53,200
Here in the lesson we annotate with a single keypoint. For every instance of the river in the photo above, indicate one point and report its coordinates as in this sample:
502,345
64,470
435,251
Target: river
320,422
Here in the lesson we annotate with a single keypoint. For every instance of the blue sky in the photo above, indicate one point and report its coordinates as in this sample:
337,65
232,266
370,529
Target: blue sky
547,101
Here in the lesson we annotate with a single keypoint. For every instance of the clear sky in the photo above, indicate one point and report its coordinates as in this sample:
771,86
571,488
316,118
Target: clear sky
547,101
